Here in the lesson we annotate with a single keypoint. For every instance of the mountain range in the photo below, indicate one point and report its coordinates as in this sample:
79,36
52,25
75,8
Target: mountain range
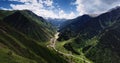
95,37
28,38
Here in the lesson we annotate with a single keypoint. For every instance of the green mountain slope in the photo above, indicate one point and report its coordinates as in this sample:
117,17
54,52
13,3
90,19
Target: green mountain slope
98,39
108,48
30,24
89,27
8,56
24,35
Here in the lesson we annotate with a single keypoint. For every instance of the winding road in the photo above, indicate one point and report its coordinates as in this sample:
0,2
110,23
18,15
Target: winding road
53,42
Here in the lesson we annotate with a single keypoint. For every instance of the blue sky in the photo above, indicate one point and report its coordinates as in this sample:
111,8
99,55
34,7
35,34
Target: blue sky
66,5
68,9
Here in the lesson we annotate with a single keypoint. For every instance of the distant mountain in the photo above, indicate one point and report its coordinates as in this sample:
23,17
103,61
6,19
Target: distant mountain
56,22
89,26
72,27
23,38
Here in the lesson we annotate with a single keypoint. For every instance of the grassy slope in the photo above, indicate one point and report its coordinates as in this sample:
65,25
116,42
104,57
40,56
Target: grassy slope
7,56
30,24
72,52
108,48
24,48
100,49
103,47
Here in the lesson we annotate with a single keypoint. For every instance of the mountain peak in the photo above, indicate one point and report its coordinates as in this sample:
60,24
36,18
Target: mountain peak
117,8
83,16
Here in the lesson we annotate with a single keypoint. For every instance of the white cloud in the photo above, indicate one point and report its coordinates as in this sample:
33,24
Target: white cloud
45,8
48,2
23,1
62,14
95,6
39,8
79,7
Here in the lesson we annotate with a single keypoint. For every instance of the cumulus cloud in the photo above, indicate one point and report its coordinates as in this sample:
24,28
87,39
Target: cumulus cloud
23,1
95,6
62,14
50,9
48,2
42,8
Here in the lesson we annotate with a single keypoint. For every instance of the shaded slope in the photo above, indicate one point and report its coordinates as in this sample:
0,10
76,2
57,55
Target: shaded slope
92,27
98,39
27,47
108,48
70,28
24,43
30,24
5,13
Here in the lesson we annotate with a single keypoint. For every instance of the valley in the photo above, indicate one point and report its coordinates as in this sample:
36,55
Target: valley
52,45
28,38
93,37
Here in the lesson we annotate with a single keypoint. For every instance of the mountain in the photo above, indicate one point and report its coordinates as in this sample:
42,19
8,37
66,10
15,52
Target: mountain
108,48
89,26
23,38
98,38
72,27
56,22
28,38
30,24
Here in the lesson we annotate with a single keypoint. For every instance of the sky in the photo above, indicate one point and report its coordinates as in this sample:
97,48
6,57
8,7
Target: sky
62,9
